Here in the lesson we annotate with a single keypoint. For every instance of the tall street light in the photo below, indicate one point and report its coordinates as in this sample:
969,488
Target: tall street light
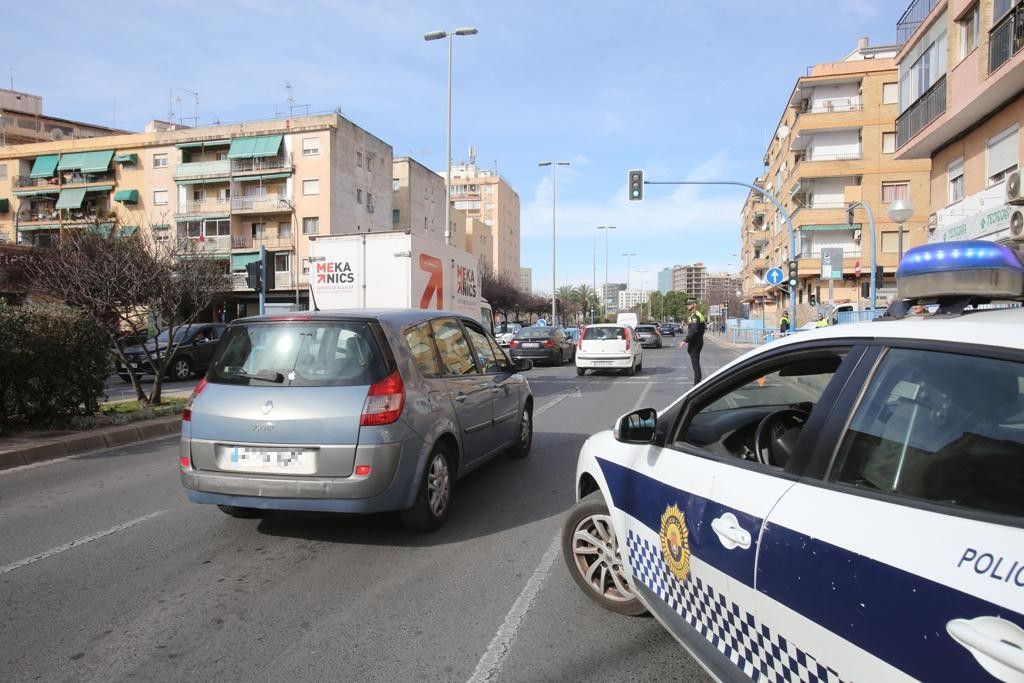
438,35
554,201
642,274
627,267
900,211
604,292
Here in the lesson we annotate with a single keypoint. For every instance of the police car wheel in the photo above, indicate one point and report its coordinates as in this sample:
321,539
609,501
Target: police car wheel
591,553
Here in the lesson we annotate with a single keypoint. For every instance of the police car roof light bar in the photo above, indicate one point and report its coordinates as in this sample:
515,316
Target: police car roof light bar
975,268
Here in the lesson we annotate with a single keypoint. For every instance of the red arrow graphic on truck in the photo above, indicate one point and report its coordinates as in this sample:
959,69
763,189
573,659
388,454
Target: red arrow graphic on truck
435,268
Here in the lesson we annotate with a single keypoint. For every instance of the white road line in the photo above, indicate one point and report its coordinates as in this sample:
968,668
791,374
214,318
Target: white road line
575,393
489,666
77,542
643,396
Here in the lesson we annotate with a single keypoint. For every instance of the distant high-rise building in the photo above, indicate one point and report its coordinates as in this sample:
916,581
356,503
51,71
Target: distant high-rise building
692,280
665,280
486,196
526,280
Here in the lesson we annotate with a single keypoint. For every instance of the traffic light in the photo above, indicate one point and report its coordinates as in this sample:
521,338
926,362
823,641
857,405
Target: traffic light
849,214
794,275
268,271
252,275
636,185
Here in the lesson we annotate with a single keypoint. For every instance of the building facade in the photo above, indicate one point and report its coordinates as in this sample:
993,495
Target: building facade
526,280
628,298
486,196
230,189
417,203
691,279
22,120
834,144
665,280
961,74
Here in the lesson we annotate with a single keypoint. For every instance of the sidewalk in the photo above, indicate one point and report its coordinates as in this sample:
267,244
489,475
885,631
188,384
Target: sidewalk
30,447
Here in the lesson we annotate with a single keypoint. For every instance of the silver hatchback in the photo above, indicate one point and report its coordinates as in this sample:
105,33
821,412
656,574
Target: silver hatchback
351,411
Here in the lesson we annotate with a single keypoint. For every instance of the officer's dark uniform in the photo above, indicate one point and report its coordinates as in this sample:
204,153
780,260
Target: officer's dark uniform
695,341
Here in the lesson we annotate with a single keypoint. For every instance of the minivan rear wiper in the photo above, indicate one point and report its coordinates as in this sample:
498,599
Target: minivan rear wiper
262,375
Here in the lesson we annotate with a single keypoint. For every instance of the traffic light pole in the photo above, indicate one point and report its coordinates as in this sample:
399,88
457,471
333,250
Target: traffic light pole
871,231
778,205
263,279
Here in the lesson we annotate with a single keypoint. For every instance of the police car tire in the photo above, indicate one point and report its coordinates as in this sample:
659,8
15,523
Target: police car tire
589,506
240,512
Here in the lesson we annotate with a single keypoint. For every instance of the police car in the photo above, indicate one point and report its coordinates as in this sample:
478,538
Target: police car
846,504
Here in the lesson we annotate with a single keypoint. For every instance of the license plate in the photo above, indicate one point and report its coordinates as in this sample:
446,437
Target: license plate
602,362
269,458
531,345
134,365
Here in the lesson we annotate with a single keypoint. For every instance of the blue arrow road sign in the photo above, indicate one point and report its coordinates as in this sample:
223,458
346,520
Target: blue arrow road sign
774,276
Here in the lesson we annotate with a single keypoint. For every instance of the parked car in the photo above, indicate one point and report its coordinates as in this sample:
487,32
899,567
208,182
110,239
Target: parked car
547,344
667,330
506,332
649,336
352,412
609,347
196,345
771,538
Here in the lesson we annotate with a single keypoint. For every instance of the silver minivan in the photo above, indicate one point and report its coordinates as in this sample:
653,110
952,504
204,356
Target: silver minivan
351,411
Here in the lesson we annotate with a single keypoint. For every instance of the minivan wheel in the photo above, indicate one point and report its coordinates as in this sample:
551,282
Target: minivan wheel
435,494
525,438
591,552
241,513
181,369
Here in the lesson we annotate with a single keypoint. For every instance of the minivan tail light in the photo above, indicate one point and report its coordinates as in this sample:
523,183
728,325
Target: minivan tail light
186,414
384,401
582,332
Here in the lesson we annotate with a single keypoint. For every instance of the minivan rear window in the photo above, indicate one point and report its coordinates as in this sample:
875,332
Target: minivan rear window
604,333
307,354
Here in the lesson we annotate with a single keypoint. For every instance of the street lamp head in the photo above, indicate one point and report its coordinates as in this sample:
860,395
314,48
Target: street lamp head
562,163
901,211
435,35
466,31
544,163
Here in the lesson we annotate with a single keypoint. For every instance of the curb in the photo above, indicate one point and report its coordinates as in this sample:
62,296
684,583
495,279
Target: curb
93,440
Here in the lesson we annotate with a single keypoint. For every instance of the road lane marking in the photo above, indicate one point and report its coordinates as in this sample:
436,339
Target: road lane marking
77,542
571,393
489,666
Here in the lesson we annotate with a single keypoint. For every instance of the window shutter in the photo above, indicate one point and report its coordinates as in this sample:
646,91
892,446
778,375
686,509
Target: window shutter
1003,152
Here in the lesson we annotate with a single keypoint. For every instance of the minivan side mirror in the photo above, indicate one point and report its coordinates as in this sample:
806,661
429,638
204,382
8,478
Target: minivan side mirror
637,427
523,364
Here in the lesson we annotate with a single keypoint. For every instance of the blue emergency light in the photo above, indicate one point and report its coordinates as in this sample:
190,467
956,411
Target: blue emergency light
973,268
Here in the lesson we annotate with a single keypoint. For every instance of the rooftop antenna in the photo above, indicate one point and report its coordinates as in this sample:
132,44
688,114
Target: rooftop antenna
291,100
12,78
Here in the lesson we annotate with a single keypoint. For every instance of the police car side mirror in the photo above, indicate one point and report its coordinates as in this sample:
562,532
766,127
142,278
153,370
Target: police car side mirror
637,427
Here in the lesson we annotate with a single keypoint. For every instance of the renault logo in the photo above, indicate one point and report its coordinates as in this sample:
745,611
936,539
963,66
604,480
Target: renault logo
267,407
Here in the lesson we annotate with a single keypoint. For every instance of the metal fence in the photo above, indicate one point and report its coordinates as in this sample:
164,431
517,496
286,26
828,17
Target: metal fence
925,110
912,18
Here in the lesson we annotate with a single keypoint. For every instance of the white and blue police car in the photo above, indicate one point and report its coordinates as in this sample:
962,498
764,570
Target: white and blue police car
845,504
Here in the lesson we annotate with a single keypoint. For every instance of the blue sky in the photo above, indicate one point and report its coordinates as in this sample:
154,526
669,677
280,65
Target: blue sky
683,89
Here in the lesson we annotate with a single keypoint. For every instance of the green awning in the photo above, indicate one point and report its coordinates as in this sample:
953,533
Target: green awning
271,176
71,199
160,226
102,229
86,162
240,261
127,158
127,230
830,226
203,181
30,228
263,146
44,166
37,191
99,188
127,196
203,143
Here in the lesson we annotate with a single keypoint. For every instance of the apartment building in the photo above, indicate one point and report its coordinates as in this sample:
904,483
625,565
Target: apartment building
961,102
721,287
472,235
665,280
22,120
417,203
628,298
486,196
228,188
691,279
834,144
526,280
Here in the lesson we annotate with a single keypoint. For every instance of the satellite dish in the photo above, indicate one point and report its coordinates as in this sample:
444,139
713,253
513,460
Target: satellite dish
783,132
56,134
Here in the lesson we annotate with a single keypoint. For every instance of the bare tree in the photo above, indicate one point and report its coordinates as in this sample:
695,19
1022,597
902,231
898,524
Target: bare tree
151,288
500,291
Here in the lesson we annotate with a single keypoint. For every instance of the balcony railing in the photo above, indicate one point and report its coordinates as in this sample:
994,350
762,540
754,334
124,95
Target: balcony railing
219,244
268,241
203,168
912,18
926,109
826,156
261,164
832,106
200,206
282,280
38,216
24,181
76,178
270,202
1006,38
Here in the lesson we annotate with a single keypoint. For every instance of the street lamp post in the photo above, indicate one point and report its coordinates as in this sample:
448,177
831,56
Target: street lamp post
437,35
642,274
554,201
900,211
604,293
295,246
874,254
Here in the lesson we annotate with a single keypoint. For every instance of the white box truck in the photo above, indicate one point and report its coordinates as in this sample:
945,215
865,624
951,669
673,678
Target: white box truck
394,270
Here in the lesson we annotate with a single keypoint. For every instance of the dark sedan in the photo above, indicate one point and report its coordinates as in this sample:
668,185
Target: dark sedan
195,347
542,344
649,336
667,330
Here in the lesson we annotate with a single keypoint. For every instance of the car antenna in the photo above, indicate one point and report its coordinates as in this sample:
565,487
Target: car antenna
312,297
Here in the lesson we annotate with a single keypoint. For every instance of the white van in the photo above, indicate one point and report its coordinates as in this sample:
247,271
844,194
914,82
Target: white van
628,319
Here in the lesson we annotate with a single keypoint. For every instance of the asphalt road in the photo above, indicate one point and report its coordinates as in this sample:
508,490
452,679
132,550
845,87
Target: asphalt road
108,573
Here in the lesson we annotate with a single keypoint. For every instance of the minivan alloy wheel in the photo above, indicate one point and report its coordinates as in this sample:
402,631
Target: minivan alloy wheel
438,484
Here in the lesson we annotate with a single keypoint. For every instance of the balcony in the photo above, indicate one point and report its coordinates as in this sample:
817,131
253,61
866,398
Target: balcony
282,280
271,242
27,182
260,164
201,169
1006,38
913,18
832,106
206,246
926,109
271,203
75,178
204,206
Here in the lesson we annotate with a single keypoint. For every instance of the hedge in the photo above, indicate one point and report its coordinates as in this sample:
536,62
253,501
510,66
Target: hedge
53,363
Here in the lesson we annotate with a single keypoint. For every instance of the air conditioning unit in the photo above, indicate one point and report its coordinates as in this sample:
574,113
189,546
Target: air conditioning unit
1017,226
1013,193
856,235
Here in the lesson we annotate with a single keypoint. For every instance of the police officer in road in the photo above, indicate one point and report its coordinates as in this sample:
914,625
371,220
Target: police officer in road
694,340
784,323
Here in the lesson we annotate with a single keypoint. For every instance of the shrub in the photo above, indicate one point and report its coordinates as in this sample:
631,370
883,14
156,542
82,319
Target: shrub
53,363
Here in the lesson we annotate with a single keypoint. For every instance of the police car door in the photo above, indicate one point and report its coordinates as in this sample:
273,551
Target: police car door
907,560
695,508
